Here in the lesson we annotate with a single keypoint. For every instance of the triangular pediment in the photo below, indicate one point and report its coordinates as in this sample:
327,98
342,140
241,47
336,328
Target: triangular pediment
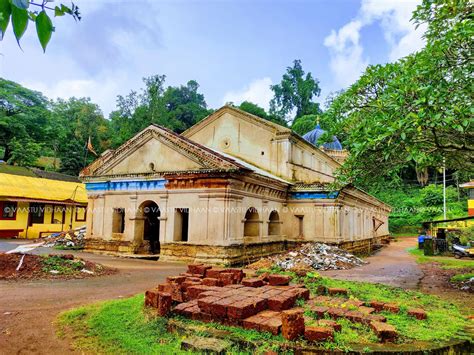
158,150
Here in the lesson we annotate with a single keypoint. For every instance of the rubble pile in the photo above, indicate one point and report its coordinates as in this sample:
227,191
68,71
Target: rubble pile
269,303
73,239
317,256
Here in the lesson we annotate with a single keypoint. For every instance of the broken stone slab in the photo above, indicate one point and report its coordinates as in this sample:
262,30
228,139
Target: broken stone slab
377,305
206,345
391,307
418,313
317,334
279,280
333,291
330,323
292,326
385,332
252,282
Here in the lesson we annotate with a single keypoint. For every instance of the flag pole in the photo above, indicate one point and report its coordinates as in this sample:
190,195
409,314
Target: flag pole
85,155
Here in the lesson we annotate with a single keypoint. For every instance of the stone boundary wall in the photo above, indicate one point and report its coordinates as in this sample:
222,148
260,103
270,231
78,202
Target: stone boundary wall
235,254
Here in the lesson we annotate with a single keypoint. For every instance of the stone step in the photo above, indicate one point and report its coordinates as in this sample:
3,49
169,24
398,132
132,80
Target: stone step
206,345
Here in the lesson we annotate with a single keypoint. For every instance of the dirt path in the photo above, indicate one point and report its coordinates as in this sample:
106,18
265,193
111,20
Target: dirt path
28,308
392,265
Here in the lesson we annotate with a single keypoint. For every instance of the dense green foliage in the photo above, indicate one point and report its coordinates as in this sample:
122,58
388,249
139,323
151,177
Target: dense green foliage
412,205
295,93
177,108
21,12
31,126
417,111
304,124
256,110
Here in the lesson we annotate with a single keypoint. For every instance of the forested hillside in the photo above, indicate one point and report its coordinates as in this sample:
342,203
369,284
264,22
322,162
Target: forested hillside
401,122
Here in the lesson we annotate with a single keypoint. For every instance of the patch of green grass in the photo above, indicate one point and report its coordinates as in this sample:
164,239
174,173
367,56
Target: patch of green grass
123,326
118,326
63,247
462,277
447,262
444,322
63,266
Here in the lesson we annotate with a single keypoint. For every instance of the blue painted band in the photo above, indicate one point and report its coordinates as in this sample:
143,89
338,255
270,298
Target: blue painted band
313,195
126,185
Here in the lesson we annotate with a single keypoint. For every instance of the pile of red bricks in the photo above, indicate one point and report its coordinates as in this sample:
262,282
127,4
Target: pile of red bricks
266,303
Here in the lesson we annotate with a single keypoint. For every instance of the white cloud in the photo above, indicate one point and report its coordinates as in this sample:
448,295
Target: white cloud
346,52
345,48
258,92
100,90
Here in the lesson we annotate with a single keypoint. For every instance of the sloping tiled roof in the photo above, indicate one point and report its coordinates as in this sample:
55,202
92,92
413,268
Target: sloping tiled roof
27,187
35,172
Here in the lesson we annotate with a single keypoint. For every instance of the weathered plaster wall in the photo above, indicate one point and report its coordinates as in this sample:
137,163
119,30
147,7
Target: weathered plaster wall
280,153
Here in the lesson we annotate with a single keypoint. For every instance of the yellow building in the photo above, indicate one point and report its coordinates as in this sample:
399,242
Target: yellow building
470,201
35,203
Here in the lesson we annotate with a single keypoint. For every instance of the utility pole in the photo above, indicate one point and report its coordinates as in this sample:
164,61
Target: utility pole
444,188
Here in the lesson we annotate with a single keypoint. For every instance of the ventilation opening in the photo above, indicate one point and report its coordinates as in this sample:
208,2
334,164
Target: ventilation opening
300,225
181,224
118,220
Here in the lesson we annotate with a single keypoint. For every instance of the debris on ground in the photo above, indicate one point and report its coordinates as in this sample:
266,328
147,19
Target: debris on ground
465,285
310,256
73,239
49,266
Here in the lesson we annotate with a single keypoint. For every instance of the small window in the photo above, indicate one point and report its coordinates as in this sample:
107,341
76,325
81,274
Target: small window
59,215
300,226
181,224
118,220
36,213
8,210
80,214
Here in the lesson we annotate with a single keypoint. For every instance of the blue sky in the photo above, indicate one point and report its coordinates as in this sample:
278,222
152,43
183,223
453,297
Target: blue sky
234,49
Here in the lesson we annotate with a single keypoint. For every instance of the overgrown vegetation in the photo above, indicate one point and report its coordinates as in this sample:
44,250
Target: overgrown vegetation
61,266
462,277
415,113
447,262
412,205
123,326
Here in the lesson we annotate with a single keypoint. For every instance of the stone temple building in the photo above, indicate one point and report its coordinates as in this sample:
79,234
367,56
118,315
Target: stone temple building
230,189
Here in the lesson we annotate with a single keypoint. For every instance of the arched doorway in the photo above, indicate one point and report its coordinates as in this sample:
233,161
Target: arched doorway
251,223
274,223
151,225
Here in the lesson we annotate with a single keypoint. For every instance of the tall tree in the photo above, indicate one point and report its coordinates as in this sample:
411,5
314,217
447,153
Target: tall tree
24,115
175,107
295,93
75,120
417,111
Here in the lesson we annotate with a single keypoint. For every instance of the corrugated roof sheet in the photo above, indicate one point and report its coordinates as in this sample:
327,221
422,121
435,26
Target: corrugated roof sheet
44,189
